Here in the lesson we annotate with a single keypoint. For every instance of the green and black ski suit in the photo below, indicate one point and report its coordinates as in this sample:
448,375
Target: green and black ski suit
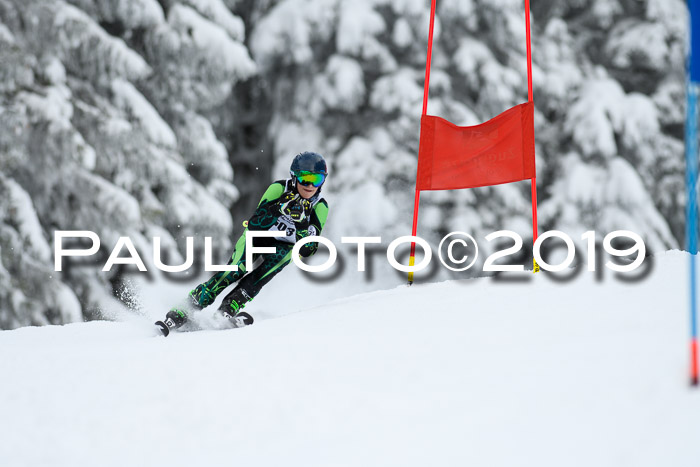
282,209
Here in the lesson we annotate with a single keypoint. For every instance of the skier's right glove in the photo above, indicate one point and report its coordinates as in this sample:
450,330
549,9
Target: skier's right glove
296,207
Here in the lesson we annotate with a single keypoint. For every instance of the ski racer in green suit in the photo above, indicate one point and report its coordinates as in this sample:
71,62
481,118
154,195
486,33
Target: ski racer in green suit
293,207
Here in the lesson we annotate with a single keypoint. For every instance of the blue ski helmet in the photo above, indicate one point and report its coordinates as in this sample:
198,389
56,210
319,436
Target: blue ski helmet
308,163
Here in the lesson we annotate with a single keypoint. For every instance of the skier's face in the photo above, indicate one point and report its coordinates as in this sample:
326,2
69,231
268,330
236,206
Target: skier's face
306,191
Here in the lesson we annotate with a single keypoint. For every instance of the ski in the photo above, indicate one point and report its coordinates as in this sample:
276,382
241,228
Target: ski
240,319
165,326
237,320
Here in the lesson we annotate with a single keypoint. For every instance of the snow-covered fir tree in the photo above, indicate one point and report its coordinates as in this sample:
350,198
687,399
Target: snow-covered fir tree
102,130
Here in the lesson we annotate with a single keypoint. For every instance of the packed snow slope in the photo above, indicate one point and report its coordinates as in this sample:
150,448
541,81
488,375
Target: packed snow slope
475,372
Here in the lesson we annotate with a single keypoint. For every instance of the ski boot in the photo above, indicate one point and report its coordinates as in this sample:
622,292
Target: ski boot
177,316
231,308
173,320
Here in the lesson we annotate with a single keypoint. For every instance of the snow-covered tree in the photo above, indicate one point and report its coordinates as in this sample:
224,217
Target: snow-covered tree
347,78
103,130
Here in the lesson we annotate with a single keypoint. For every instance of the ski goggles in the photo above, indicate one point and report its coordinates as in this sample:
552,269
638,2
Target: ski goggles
307,178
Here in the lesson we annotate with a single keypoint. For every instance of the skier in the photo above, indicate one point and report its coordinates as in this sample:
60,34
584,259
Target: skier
292,206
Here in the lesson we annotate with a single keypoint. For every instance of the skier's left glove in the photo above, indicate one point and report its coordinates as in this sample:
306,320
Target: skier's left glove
309,248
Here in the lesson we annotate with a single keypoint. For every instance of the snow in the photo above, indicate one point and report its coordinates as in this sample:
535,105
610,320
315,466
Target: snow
185,204
357,26
504,84
121,208
473,372
556,74
77,34
605,199
605,12
670,12
593,118
54,106
643,45
85,154
54,71
470,56
603,111
19,212
285,33
666,100
6,37
275,36
398,91
440,82
642,120
341,77
461,115
402,36
131,14
346,209
213,41
292,138
216,11
131,101
66,301
199,146
357,164
409,7
342,86
463,9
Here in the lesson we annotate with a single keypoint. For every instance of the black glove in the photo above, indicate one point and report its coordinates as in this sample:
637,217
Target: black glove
296,207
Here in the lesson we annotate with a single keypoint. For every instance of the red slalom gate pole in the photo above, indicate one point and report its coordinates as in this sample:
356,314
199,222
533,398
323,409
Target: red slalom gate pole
529,51
426,85
533,181
412,260
426,89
